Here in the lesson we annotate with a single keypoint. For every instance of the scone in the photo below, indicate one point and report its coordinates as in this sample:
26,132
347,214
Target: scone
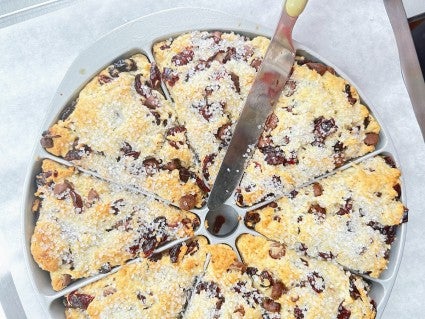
349,217
86,226
137,156
155,288
300,287
122,128
318,124
225,290
209,75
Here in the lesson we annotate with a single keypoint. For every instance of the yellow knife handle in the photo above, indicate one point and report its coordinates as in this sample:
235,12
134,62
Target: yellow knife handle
295,7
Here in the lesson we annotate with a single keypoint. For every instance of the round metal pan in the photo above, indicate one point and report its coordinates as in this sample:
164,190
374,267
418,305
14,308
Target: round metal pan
138,36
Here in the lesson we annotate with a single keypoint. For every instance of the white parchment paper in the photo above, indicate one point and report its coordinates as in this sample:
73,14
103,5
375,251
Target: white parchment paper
354,35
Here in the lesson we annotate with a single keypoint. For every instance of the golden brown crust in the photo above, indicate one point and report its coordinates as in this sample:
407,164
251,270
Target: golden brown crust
225,290
307,284
122,128
144,289
318,125
358,206
209,76
87,226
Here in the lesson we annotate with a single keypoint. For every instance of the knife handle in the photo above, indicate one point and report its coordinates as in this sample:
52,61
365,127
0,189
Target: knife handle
295,7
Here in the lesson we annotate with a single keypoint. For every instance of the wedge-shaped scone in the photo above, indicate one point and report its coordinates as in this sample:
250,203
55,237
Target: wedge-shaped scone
318,124
122,128
349,217
158,287
303,288
226,290
209,75
86,226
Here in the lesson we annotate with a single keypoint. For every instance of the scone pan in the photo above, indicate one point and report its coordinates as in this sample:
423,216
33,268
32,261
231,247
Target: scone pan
138,36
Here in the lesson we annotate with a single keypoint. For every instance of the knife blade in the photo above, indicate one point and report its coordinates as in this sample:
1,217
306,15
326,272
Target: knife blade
263,95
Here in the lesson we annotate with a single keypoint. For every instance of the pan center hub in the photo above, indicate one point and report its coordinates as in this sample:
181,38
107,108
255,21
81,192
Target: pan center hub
222,222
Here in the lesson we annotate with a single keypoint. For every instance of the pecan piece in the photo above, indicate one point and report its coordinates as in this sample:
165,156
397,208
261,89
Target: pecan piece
92,196
76,200
237,266
278,289
371,139
216,35
317,189
73,155
271,305
60,189
187,202
46,141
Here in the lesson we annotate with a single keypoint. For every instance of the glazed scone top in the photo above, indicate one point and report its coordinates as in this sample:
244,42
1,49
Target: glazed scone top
209,76
86,226
114,104
155,288
225,290
186,283
318,124
312,288
122,128
359,206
